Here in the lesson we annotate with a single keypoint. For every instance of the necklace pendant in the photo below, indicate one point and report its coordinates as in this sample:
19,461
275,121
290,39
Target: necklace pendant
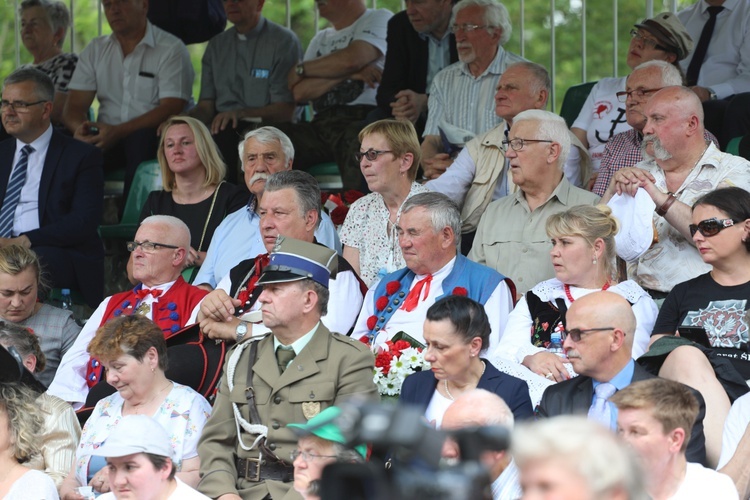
143,309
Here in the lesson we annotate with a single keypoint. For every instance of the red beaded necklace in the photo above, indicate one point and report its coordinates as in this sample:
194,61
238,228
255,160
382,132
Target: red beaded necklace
570,296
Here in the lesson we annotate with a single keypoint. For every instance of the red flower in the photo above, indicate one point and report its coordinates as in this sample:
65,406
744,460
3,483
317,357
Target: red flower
371,322
459,290
399,346
383,360
381,303
323,197
365,340
392,287
352,195
338,215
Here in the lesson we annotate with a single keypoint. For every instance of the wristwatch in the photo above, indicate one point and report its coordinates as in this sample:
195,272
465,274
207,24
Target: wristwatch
711,94
300,69
241,331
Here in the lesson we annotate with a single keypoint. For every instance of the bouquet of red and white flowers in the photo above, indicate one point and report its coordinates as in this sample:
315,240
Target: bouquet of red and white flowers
394,361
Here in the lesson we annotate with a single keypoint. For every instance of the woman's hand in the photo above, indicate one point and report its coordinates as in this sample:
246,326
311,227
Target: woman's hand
100,481
548,365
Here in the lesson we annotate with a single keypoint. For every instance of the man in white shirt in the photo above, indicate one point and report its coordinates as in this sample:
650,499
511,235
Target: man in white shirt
655,417
140,74
718,70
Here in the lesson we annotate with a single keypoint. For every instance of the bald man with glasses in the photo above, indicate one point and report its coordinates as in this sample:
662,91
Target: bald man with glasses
598,341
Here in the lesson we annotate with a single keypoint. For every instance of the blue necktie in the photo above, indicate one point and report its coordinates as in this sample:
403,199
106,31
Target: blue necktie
601,410
13,193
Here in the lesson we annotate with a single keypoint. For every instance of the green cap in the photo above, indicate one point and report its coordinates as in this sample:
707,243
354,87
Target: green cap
328,430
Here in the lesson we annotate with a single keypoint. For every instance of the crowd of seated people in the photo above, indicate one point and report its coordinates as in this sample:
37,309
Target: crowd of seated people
491,275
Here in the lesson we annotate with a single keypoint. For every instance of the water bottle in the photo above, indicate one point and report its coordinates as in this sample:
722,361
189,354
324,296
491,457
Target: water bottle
555,344
66,302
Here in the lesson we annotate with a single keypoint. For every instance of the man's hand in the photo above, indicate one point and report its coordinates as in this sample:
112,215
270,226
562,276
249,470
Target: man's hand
369,74
548,365
221,120
702,93
98,134
629,179
435,167
218,306
409,105
221,330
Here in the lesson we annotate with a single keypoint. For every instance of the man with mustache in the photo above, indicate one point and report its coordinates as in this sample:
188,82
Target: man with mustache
263,152
624,149
678,169
461,94
598,341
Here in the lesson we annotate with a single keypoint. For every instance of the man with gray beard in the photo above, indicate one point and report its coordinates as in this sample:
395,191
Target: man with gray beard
678,168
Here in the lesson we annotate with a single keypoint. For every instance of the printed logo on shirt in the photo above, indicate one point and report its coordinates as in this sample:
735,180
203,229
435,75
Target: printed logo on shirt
723,320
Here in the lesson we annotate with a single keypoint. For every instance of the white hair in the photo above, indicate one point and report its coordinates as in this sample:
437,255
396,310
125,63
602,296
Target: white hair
495,15
670,75
550,127
180,230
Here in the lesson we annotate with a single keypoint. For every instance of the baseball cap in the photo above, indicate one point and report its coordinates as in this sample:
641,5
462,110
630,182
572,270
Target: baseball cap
136,434
670,32
323,425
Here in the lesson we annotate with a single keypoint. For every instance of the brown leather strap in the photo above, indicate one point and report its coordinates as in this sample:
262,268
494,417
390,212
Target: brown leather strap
662,210
250,395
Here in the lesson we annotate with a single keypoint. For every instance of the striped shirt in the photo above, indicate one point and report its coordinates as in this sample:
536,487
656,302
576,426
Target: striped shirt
466,102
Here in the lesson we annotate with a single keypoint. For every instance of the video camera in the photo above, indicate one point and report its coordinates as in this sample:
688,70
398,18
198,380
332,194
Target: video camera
413,449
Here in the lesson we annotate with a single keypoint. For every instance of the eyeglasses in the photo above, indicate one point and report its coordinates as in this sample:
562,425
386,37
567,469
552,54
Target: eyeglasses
468,28
639,93
308,457
575,333
370,154
147,246
647,42
711,227
18,106
517,144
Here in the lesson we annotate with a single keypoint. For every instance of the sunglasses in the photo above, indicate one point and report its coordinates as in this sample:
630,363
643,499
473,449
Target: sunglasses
575,333
711,227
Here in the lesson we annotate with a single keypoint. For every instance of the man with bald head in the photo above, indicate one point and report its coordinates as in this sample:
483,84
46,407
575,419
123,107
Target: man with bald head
480,408
679,167
598,341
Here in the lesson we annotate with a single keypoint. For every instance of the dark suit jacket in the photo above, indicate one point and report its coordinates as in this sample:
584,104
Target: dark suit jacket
406,62
575,396
71,195
419,387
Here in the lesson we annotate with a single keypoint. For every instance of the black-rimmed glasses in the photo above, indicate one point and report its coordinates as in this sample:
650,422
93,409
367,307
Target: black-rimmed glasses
370,154
711,227
639,93
575,333
147,246
517,144
19,106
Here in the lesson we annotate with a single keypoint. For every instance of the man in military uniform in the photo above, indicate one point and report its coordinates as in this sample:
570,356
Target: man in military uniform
291,375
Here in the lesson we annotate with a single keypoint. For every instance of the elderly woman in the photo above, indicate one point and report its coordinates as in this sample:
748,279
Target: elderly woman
21,282
456,330
194,191
662,37
716,302
389,158
321,443
60,431
139,462
20,424
571,458
133,351
583,256
44,24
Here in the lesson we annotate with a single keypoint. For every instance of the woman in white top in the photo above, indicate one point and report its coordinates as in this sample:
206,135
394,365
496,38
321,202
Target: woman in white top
583,256
389,158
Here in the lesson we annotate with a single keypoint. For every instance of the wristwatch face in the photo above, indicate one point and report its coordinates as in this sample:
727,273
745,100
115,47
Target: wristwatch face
300,69
241,330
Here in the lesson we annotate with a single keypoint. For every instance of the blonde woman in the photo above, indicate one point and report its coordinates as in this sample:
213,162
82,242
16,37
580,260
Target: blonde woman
583,256
193,178
388,158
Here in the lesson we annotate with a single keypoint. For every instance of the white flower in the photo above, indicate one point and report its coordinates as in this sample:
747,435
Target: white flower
413,358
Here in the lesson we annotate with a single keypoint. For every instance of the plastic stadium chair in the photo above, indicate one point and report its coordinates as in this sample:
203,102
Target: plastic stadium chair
733,148
147,178
575,96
